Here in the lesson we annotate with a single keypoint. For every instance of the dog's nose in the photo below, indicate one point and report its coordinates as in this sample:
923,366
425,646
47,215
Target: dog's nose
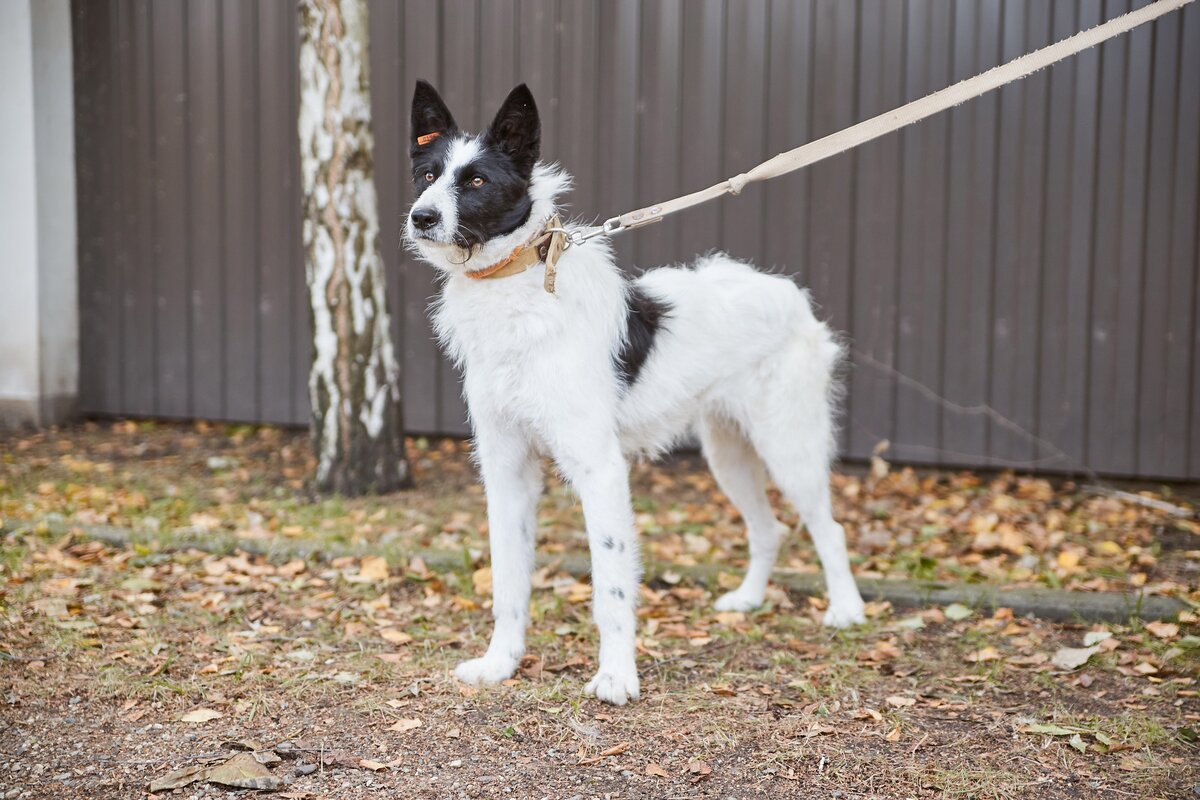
425,218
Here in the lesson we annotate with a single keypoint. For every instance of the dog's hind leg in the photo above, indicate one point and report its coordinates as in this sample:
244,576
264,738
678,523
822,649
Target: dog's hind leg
512,479
741,475
798,461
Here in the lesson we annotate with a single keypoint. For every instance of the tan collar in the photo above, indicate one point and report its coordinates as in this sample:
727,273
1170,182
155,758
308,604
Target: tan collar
544,248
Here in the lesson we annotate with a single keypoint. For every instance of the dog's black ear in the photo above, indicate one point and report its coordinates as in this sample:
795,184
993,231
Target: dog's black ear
430,117
517,130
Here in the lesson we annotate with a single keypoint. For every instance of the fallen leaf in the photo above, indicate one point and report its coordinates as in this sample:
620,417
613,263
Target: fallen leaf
1068,560
381,603
530,666
698,768
417,567
817,729
983,523
1077,742
1163,630
201,715
730,618
1011,539
570,663
179,778
988,653
371,570
294,567
394,636
1071,658
404,725
246,744
882,651
879,467
1031,660
482,581
244,772
615,750
1095,637
875,609
957,611
374,766
654,768
900,701
1049,729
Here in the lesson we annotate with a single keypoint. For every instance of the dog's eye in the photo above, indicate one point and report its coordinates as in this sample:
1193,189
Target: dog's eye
429,177
478,181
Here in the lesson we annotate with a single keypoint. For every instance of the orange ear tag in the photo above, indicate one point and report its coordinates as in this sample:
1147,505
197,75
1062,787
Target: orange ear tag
426,138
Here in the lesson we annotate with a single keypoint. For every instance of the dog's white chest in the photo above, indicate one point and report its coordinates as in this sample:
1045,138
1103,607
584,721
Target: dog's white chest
526,354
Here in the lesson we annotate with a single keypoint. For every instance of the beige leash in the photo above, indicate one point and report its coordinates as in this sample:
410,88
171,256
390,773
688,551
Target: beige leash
888,122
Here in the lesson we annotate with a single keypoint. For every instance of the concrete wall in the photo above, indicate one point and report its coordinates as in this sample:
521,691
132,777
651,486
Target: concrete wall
39,330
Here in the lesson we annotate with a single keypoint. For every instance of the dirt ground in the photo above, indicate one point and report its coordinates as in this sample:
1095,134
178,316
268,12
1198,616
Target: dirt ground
331,676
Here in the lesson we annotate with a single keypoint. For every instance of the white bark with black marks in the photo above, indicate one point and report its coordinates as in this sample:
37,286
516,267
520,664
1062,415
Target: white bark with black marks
353,382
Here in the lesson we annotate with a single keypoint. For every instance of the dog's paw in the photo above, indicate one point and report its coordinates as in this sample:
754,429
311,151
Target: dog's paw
615,686
844,615
485,671
738,600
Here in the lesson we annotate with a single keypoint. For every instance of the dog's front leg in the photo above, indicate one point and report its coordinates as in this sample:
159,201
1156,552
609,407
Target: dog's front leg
512,480
600,474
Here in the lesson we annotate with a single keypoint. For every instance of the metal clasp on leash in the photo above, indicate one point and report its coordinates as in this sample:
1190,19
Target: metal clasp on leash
611,227
581,235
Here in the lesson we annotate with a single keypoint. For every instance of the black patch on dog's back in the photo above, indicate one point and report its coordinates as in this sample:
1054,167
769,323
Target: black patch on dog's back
645,315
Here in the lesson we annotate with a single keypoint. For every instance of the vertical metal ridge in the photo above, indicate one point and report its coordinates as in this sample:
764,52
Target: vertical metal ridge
1143,253
1043,190
1176,104
222,231
993,247
1092,248
939,424
892,384
154,209
189,282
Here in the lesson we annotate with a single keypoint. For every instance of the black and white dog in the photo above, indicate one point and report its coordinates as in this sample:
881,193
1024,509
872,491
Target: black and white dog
605,368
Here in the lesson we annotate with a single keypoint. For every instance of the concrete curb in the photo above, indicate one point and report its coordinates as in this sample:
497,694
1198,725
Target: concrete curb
1060,605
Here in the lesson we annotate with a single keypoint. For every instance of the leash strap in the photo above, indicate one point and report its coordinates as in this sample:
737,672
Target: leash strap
889,121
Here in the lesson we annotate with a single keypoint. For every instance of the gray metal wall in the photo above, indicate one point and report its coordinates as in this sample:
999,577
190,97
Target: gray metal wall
1018,277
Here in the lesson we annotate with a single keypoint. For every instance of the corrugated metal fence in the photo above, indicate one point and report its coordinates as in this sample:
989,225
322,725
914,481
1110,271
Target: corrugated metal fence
1018,277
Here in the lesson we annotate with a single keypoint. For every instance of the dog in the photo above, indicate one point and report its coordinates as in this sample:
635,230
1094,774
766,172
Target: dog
604,368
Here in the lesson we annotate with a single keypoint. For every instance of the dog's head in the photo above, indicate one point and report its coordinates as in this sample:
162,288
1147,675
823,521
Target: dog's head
476,195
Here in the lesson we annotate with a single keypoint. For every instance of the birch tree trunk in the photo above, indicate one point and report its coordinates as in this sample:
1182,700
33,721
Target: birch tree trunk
353,383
